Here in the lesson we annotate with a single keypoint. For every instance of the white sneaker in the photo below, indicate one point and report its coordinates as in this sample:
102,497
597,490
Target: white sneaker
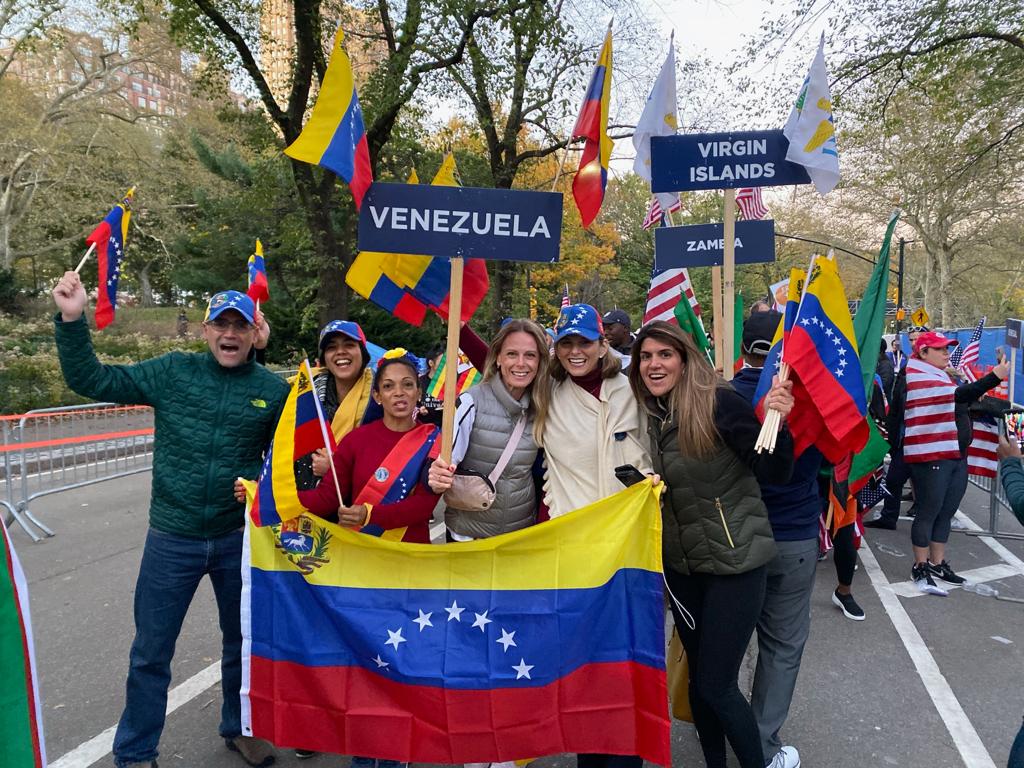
787,757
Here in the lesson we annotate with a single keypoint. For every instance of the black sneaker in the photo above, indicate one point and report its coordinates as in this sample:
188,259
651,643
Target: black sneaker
922,577
945,572
880,522
848,606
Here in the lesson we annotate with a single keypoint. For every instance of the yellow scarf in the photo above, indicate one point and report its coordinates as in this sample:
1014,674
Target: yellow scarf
351,409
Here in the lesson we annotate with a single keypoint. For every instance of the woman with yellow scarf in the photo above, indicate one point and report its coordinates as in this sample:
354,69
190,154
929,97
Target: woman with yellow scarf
343,381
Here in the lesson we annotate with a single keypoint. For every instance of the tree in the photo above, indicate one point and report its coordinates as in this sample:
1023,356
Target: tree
226,32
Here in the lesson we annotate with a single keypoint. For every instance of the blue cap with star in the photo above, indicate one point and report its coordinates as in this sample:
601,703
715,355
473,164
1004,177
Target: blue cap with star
225,300
579,320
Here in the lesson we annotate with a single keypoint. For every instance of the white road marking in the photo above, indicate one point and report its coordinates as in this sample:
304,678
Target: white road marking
1004,554
965,737
974,576
98,747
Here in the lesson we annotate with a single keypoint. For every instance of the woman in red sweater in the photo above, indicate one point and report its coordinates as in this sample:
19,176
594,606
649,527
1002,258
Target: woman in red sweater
378,465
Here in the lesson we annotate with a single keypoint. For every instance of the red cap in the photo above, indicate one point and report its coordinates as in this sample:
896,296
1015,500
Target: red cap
933,340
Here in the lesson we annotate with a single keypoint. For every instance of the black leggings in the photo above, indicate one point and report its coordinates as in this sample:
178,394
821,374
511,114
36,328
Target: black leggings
725,611
939,487
844,553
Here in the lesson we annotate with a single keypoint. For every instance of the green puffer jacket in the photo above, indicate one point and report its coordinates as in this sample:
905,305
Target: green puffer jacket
714,520
212,425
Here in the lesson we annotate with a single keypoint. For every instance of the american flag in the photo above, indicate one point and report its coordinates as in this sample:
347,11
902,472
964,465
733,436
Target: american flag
663,295
654,212
981,454
565,297
964,358
750,203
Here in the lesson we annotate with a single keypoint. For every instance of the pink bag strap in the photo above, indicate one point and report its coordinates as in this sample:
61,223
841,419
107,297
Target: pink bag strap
506,455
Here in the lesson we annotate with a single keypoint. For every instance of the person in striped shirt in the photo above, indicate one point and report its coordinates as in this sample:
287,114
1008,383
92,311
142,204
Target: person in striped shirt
938,431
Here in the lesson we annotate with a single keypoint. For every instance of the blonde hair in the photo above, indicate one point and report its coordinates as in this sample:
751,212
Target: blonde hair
692,400
539,389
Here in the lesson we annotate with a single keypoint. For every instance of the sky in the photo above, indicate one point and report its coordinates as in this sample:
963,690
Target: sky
717,30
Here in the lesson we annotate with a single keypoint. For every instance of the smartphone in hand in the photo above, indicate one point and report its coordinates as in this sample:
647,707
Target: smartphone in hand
629,475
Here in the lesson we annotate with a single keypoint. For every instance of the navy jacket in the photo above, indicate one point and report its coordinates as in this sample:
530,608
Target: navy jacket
793,508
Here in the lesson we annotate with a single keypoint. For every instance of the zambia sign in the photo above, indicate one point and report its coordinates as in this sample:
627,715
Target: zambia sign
695,161
703,245
513,225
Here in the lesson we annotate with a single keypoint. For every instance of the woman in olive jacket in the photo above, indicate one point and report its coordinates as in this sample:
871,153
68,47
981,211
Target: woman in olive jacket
717,538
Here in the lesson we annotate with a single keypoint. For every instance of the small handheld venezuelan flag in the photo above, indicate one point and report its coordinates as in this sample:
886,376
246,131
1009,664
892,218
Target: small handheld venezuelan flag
592,125
299,432
258,289
335,136
109,239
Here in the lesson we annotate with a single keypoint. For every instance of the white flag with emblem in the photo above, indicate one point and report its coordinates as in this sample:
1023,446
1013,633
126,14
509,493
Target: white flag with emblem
811,129
657,119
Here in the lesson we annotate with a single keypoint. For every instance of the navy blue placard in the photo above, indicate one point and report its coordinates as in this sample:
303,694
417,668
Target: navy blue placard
703,245
694,161
513,225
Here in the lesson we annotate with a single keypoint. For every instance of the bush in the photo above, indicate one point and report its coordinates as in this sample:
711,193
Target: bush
30,375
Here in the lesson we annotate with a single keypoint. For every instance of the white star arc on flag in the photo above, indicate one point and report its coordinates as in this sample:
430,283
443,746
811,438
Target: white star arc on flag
394,638
423,620
455,612
523,669
506,639
481,621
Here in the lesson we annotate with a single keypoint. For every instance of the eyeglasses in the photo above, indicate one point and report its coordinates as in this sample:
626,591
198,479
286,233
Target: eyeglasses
222,324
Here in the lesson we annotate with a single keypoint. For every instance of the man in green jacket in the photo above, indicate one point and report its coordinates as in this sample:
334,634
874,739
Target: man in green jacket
214,415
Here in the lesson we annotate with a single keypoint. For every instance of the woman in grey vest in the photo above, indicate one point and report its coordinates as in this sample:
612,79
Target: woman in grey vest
716,539
485,421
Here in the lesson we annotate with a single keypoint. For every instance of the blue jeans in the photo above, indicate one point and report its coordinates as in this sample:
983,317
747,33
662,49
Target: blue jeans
172,567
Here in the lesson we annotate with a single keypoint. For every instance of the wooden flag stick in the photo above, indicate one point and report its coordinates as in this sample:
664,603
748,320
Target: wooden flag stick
92,247
729,283
716,324
451,373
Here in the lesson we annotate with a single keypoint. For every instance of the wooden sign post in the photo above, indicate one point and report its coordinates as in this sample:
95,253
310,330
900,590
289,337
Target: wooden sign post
459,223
451,373
729,285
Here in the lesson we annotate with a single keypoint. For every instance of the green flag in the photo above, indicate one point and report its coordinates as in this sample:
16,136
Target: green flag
20,710
867,327
689,322
870,317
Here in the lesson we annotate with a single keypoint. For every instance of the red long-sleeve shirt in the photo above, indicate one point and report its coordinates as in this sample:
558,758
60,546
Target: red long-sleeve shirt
356,458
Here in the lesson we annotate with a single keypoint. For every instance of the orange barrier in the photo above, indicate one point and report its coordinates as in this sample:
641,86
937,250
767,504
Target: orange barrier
74,440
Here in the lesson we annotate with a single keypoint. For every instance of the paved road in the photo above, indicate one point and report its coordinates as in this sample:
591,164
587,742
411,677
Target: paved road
925,682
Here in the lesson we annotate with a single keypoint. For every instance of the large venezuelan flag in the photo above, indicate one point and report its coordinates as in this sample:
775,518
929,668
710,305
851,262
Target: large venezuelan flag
821,350
334,136
407,285
592,125
542,641
298,433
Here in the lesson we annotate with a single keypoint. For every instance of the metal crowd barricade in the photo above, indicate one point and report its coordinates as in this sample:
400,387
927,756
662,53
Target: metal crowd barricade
50,450
997,502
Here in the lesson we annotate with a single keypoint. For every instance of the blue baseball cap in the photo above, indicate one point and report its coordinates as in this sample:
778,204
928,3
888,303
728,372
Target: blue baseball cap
345,328
579,320
225,300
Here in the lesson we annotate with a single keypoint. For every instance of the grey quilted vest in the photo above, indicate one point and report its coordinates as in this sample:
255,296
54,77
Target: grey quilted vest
515,503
